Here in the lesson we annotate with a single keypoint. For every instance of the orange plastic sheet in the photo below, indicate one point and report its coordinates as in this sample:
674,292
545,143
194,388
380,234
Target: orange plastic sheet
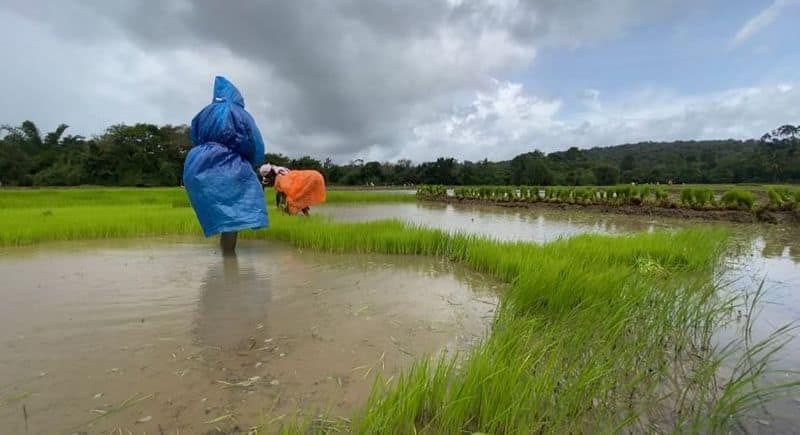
302,188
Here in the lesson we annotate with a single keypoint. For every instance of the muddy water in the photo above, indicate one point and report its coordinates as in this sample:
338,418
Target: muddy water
762,253
186,337
499,223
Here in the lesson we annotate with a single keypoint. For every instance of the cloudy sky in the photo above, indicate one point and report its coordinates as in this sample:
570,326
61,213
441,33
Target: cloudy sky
418,79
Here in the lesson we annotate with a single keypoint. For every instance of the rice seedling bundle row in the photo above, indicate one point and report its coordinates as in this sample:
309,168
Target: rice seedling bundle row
651,195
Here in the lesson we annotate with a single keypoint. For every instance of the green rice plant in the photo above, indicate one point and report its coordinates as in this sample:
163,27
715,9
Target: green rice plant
697,197
174,197
687,197
775,199
738,199
621,195
529,194
781,198
462,192
702,197
585,195
431,192
644,191
503,194
661,196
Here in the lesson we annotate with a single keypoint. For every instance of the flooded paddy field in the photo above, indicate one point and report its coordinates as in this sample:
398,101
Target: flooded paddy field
162,334
168,337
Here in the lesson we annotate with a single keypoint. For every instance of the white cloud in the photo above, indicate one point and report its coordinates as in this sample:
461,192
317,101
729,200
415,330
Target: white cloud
338,79
505,121
760,21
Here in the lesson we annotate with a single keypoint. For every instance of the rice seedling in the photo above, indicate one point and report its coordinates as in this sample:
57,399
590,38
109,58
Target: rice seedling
644,191
780,198
431,192
661,197
738,199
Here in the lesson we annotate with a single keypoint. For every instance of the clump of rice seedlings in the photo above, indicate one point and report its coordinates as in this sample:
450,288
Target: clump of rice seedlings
780,198
697,197
687,197
504,194
738,199
644,191
431,192
462,192
703,197
528,194
661,197
622,194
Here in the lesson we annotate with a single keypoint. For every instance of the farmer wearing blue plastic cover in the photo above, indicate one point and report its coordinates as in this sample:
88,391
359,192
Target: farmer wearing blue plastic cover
219,171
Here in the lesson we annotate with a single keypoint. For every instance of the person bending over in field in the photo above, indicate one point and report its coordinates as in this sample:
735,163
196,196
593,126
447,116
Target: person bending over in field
296,190
219,171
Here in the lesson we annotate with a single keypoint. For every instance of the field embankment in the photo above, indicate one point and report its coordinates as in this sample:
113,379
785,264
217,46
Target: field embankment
772,204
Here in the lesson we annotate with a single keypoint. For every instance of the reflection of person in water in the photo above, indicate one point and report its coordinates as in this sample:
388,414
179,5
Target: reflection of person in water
233,302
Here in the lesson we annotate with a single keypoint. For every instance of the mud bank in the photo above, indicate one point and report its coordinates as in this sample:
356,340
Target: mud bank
739,216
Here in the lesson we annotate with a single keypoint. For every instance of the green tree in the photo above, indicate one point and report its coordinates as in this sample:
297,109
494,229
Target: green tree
530,169
606,175
628,163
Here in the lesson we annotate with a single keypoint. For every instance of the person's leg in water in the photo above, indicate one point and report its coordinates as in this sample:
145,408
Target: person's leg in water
280,201
227,241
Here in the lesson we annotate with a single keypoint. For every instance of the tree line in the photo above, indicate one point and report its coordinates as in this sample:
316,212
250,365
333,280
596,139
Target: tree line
150,155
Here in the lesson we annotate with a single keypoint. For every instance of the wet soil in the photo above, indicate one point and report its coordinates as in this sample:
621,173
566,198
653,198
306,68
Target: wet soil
170,337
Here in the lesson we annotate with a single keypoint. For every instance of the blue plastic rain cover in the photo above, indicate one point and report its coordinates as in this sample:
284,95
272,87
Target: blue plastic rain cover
219,173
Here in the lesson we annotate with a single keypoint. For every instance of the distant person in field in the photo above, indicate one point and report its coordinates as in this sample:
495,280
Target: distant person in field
295,190
219,172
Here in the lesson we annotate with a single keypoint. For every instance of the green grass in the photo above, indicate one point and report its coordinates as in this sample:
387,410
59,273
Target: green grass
593,334
57,198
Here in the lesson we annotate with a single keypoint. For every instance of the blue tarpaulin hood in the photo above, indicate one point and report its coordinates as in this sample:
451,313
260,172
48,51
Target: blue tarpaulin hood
224,90
225,122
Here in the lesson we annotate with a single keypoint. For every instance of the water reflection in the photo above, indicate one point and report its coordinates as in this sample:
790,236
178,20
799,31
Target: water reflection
501,223
233,300
543,225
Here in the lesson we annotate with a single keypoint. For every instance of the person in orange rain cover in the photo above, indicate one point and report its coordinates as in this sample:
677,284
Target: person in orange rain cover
295,190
